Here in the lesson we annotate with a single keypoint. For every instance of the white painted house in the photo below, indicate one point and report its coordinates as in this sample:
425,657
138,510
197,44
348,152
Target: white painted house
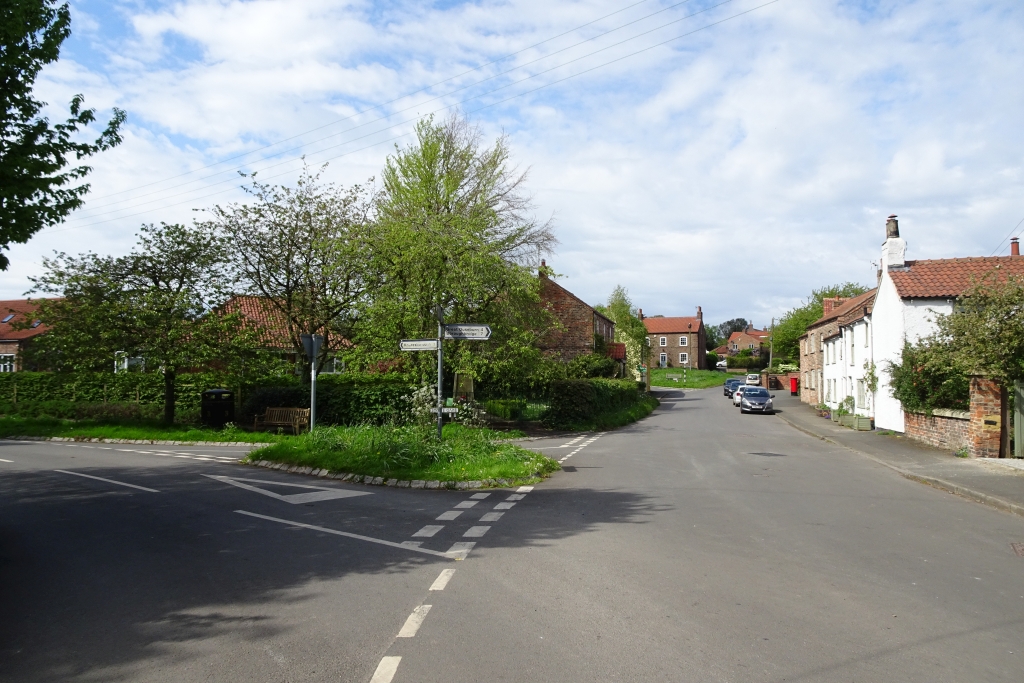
847,355
910,294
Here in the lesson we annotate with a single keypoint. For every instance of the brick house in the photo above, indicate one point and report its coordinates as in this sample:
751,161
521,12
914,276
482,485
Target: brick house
581,324
678,342
750,339
13,341
834,350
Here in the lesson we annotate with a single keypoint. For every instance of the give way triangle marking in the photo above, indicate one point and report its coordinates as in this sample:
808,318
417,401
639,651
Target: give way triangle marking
318,493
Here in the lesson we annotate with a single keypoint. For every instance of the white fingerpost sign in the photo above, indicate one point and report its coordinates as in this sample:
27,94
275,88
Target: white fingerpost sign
418,345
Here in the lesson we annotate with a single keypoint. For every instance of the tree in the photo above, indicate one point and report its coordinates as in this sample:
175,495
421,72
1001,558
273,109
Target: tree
35,186
156,303
306,252
928,377
456,232
794,323
629,328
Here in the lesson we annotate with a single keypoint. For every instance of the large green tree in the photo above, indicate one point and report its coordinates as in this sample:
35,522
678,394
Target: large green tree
38,174
457,231
629,328
157,303
794,323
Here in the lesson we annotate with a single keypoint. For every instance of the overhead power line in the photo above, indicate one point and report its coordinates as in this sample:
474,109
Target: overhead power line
1003,241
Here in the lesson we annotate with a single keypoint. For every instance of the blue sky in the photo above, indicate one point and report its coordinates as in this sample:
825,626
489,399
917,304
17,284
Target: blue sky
732,155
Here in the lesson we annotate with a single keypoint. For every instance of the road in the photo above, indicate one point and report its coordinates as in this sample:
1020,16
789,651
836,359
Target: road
696,545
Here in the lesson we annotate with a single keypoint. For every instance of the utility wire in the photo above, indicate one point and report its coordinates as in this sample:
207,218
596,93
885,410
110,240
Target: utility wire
561,80
1000,245
438,97
378,106
394,113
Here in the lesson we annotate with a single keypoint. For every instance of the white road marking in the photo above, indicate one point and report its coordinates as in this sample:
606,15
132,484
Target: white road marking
476,531
504,506
428,531
516,496
491,517
2,460
449,516
466,504
346,534
460,550
442,580
479,496
413,623
524,489
318,492
109,481
414,544
386,670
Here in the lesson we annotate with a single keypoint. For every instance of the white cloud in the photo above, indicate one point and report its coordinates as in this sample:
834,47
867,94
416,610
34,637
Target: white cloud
735,169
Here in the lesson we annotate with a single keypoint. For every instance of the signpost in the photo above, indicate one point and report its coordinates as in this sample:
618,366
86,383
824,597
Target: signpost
462,331
311,343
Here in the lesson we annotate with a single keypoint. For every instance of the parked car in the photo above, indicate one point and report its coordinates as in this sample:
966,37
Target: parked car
722,365
754,379
730,386
756,400
737,395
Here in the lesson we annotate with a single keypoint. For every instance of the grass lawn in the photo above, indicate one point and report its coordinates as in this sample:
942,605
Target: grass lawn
695,379
620,418
412,453
145,430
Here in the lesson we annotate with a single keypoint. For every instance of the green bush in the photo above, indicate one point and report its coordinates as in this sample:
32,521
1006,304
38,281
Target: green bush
580,401
143,388
506,409
926,378
747,360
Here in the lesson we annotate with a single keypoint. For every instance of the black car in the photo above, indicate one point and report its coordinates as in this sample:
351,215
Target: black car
756,400
730,386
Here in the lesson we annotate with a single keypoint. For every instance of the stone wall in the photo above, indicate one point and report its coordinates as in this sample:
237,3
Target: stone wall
946,429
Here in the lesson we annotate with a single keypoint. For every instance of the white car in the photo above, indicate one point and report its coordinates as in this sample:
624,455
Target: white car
754,379
722,364
737,395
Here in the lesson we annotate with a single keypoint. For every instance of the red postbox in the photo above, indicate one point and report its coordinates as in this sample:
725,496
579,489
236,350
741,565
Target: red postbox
793,386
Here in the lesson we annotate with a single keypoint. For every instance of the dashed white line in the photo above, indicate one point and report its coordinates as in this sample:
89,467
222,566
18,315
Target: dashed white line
449,516
524,489
491,517
413,623
428,531
476,531
386,670
504,506
460,550
479,496
2,460
109,481
465,505
442,580
516,496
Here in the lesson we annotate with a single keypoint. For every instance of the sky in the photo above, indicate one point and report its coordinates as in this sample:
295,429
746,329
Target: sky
729,154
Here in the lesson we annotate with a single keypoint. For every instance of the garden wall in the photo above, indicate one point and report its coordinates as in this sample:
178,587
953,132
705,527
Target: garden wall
946,429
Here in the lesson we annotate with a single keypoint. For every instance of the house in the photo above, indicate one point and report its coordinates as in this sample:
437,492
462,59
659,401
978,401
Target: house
15,314
910,294
845,353
581,326
677,342
751,339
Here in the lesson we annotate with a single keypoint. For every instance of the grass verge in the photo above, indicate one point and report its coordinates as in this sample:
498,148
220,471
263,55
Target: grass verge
695,379
619,418
412,453
145,431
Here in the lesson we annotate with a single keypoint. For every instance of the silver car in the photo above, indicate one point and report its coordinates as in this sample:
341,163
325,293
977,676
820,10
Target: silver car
756,400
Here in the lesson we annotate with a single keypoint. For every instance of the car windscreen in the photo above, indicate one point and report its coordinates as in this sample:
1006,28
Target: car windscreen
755,392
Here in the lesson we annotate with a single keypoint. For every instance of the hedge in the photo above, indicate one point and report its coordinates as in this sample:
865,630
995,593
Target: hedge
143,388
579,401
340,399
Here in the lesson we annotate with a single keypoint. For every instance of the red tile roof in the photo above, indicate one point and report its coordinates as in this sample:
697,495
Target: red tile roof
672,325
867,299
939,278
617,351
259,313
24,311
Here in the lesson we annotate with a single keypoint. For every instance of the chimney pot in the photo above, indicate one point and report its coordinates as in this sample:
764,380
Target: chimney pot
892,227
1014,247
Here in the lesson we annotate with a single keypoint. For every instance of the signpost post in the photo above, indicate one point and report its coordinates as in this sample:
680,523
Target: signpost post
311,343
465,332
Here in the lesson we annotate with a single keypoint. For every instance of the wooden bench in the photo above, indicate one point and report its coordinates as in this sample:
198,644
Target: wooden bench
295,419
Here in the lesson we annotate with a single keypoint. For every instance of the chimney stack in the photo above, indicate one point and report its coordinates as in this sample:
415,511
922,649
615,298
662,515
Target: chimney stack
894,249
640,313
540,271
700,314
1014,247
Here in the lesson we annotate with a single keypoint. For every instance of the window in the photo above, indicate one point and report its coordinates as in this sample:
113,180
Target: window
123,362
648,343
662,361
6,362
683,358
7,318
36,323
682,341
662,341
860,394
750,346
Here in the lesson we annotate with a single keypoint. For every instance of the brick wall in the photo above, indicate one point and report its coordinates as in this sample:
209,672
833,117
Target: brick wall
694,349
576,318
986,418
941,430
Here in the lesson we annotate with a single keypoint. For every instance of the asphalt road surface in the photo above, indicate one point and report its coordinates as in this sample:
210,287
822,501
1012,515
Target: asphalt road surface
697,545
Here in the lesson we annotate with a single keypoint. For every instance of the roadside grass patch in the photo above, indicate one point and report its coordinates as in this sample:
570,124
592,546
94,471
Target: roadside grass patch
141,430
619,418
695,379
411,453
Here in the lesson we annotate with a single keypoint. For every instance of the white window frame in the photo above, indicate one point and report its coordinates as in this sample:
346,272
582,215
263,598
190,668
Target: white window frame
8,362
682,341
662,341
684,358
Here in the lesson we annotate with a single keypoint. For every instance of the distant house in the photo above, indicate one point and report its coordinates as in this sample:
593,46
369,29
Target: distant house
678,342
17,313
833,353
750,339
581,325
